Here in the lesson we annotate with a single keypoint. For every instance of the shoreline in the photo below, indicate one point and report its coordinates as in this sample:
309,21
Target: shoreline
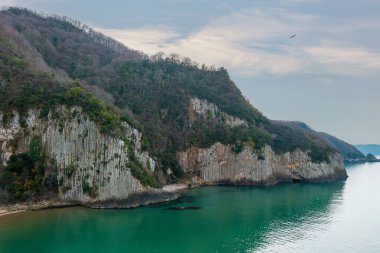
175,187
171,189
7,212
9,209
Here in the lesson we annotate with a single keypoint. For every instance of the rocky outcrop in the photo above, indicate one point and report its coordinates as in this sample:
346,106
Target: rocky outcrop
90,166
219,164
211,111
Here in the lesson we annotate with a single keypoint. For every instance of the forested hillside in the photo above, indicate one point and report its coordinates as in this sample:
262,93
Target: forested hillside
49,60
349,152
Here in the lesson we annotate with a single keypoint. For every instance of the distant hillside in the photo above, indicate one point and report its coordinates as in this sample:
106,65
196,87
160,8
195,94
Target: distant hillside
369,149
349,151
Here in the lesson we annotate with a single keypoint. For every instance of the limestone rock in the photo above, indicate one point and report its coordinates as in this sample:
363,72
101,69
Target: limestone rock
91,166
209,110
219,164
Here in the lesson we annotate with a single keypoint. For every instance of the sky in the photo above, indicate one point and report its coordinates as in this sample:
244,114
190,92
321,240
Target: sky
327,76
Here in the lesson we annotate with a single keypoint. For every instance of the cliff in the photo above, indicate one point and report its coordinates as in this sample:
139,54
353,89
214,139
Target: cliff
87,120
90,167
210,111
93,169
220,165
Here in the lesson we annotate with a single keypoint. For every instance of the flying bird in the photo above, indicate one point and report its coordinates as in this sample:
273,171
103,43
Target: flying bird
292,36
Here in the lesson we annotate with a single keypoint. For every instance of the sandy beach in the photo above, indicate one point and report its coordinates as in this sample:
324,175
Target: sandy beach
175,187
44,204
8,212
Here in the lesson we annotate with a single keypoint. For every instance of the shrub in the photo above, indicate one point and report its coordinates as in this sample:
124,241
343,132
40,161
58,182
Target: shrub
23,177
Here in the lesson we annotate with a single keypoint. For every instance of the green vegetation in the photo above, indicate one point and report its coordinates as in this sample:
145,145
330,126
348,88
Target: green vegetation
24,176
35,149
38,90
108,121
138,171
290,139
238,147
145,86
91,191
114,83
168,162
70,170
23,87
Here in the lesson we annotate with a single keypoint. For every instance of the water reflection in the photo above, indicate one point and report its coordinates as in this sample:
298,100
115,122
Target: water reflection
231,219
285,218
313,214
281,214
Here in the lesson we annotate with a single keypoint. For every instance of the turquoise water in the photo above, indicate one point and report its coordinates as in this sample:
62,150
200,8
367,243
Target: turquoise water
334,217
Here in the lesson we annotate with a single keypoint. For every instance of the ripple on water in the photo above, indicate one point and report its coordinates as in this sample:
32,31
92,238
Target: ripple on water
333,217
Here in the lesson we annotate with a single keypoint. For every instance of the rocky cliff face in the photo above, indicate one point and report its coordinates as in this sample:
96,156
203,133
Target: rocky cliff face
219,164
90,166
207,110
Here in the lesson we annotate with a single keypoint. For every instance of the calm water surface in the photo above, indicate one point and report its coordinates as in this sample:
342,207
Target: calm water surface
335,217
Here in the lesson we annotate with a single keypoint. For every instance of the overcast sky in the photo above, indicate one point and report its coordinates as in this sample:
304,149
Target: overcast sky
328,76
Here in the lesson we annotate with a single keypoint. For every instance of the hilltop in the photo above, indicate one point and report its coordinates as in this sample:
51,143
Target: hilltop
77,82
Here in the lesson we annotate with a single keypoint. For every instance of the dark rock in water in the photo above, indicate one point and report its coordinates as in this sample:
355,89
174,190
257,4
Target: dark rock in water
185,199
184,208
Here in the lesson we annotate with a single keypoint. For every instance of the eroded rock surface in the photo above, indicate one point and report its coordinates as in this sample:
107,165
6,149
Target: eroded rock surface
209,110
90,166
219,164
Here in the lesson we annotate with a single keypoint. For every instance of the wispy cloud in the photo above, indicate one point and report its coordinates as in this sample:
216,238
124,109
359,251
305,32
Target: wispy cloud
29,3
237,41
149,39
256,40
345,61
8,3
299,1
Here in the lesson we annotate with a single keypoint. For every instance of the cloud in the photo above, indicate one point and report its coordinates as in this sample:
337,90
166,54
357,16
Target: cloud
150,40
299,1
256,41
237,41
345,61
8,2
29,3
